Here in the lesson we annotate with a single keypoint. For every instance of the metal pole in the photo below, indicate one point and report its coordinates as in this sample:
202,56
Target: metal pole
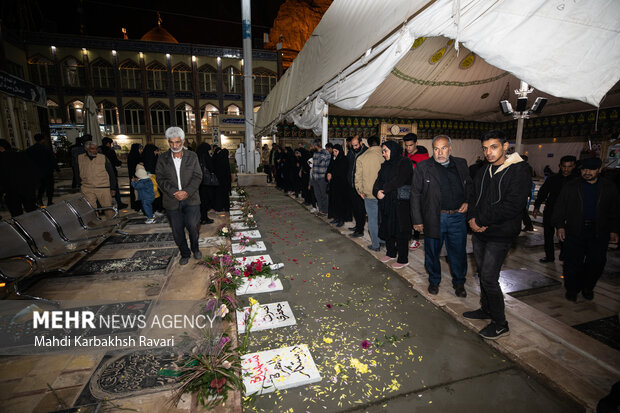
523,91
325,125
246,17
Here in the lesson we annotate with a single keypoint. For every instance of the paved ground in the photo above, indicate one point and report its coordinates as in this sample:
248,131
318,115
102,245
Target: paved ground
419,356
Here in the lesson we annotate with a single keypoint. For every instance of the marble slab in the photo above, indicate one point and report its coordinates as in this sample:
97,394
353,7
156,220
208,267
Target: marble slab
522,282
250,234
259,285
211,241
606,330
236,212
280,369
268,316
239,226
265,258
244,249
237,218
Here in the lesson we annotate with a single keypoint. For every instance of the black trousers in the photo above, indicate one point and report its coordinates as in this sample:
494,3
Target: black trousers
358,209
185,217
207,199
585,256
267,170
19,200
489,257
396,246
549,231
46,185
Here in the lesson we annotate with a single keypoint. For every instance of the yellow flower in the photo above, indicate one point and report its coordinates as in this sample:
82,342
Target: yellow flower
338,367
394,386
359,366
328,275
252,301
328,340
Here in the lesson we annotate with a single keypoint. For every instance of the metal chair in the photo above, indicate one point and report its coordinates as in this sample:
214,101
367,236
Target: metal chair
68,224
87,214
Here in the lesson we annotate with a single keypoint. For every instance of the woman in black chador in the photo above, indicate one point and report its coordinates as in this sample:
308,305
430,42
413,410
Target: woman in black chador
133,159
207,192
338,188
222,171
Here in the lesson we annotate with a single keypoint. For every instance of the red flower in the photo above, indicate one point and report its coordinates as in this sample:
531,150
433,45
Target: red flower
365,344
218,384
259,266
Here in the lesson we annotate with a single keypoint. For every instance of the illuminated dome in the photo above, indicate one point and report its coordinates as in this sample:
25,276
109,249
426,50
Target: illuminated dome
159,34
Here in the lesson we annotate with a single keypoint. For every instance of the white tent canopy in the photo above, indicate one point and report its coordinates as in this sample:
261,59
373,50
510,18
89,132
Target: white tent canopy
362,57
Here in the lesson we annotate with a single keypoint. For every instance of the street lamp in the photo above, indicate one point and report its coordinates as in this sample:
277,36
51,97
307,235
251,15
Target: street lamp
521,111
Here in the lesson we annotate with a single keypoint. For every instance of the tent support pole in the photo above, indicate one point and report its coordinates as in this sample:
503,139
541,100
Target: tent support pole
518,144
325,125
248,110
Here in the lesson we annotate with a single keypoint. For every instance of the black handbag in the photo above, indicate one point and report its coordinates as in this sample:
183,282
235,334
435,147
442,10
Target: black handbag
209,178
403,192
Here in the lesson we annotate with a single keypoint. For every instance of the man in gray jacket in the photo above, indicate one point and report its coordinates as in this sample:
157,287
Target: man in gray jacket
178,177
440,194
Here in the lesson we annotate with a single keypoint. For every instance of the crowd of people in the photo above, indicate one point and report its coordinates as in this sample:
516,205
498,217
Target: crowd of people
401,192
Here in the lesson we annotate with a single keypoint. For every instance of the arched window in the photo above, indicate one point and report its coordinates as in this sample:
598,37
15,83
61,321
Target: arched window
233,110
108,117
42,71
103,75
53,112
157,76
160,117
233,80
182,76
130,75
208,117
76,112
134,118
207,79
264,81
186,119
73,72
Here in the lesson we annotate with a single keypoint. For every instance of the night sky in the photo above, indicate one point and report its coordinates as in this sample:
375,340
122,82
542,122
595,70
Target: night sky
203,22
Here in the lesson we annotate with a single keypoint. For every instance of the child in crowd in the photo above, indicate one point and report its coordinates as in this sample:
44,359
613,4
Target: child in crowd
143,184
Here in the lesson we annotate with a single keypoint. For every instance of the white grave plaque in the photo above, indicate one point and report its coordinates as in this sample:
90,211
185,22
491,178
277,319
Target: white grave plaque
243,249
236,212
239,226
237,218
211,241
266,259
281,368
259,285
268,316
250,234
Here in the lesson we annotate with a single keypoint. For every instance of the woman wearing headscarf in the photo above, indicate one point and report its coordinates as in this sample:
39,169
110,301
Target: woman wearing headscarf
392,189
338,188
133,159
150,153
290,170
221,166
207,192
302,156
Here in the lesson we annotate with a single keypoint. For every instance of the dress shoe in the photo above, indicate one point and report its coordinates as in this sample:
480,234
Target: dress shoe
571,296
333,221
433,289
478,314
459,291
352,229
340,224
197,254
356,235
546,260
588,294
183,260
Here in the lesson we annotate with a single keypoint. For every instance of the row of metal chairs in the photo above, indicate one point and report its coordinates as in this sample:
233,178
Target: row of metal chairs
52,239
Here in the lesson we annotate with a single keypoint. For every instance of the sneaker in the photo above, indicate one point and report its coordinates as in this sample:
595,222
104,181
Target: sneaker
386,258
354,229
571,296
356,235
333,221
183,260
459,291
588,294
399,265
370,247
197,254
546,260
150,221
478,314
493,331
314,210
158,214
414,245
433,289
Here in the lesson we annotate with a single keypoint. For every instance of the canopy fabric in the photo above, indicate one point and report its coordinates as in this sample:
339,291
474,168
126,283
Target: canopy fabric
568,50
91,121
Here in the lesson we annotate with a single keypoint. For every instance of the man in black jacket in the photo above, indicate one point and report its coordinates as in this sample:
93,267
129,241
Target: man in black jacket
179,177
586,216
502,189
46,163
107,148
548,194
357,203
441,191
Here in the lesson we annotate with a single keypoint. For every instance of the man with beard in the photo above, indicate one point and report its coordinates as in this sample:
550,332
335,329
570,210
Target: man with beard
586,218
357,203
179,177
416,154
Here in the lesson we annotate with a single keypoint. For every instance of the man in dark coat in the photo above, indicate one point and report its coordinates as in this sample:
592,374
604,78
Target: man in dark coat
587,219
221,164
45,160
357,203
501,192
107,148
19,179
179,176
548,194
440,194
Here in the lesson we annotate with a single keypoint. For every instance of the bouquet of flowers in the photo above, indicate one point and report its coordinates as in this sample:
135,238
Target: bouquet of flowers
249,221
246,241
257,268
247,209
224,231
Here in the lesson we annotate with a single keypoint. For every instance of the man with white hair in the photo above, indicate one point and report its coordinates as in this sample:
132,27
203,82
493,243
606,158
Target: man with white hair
98,177
179,176
441,192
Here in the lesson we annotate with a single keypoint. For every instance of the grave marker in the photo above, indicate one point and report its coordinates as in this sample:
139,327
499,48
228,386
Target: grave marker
268,316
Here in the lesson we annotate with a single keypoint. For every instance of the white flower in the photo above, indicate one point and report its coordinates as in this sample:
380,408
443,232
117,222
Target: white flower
250,216
223,311
225,230
226,364
228,275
